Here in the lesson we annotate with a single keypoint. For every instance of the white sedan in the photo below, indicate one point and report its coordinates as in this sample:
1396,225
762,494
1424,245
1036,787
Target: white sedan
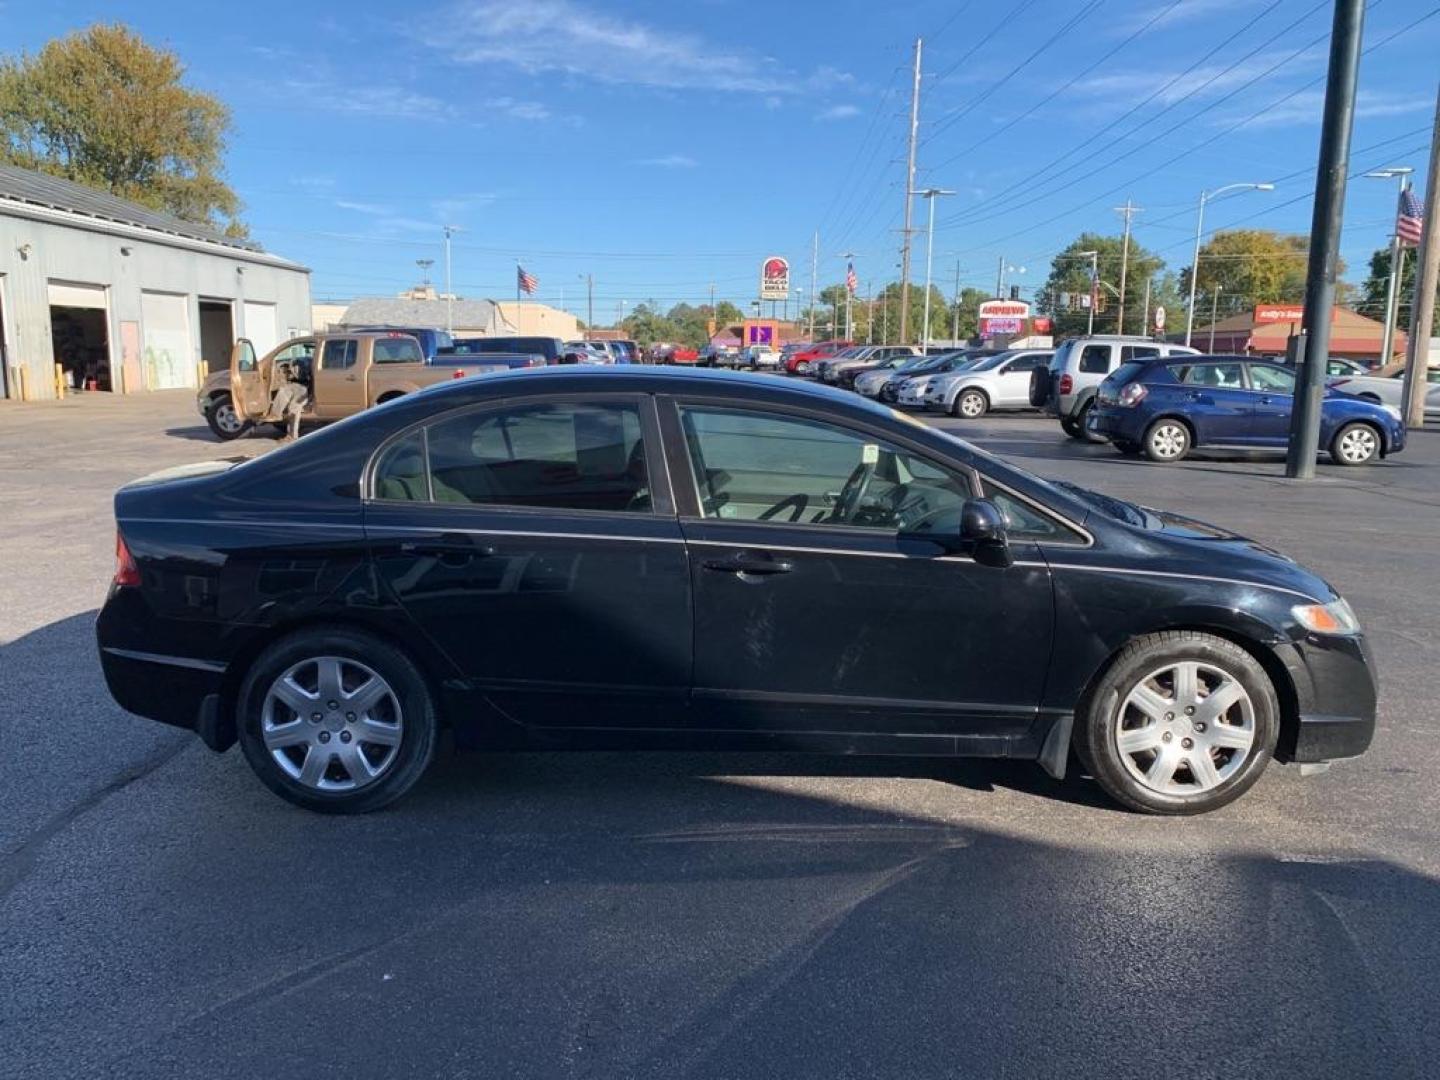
1001,381
1390,389
759,357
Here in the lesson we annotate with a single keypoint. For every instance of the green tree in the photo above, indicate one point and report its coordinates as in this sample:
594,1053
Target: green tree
1250,267
103,108
1070,278
1371,299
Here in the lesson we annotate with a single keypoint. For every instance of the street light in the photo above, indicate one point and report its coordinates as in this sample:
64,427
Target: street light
1206,196
929,195
1397,258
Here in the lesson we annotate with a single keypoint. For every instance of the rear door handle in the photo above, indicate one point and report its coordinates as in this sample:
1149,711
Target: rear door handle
448,546
750,563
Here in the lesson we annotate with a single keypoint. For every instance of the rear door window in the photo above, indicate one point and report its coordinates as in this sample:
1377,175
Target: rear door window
1131,352
397,350
1272,380
1095,360
1214,376
339,354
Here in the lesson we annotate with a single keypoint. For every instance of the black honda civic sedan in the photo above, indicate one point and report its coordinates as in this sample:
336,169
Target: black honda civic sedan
658,558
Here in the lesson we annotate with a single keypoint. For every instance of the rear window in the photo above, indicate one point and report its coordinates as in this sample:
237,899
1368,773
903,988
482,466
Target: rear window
1126,373
1130,352
1095,360
400,350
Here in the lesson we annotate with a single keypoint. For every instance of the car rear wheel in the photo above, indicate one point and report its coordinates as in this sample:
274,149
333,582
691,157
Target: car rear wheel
802,367
1355,444
336,721
1182,722
1082,419
1166,440
971,404
1071,427
225,420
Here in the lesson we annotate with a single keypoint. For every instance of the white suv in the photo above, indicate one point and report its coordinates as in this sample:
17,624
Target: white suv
1066,388
1001,381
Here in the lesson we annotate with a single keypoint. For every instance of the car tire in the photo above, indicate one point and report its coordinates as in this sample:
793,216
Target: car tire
1082,419
1071,428
1193,761
224,420
971,405
1357,443
1166,440
364,757
802,368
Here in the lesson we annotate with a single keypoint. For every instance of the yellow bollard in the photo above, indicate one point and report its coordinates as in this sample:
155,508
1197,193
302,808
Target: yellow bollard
59,382
24,383
201,373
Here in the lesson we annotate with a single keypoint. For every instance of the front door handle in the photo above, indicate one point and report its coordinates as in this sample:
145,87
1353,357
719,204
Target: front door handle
750,564
349,378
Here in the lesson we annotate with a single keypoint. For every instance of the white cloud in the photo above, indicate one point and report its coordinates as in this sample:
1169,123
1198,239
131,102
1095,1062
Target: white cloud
393,102
1187,11
520,110
373,209
452,207
1306,108
563,35
670,161
838,112
1170,87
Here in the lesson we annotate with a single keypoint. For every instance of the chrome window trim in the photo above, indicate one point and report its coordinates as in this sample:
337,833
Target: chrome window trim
1085,534
216,666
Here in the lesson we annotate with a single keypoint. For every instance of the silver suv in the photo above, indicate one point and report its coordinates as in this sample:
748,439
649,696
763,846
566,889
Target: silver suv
1066,388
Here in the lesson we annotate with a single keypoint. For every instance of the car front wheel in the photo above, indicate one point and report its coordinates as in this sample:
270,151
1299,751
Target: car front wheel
1182,722
225,420
971,404
336,721
1355,444
1166,440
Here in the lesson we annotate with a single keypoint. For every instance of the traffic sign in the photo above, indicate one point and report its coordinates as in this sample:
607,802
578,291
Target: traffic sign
1159,318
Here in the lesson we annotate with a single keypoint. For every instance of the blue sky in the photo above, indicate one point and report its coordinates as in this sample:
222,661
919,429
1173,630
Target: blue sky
663,146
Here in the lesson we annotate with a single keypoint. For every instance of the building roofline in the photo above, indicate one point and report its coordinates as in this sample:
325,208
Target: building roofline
52,215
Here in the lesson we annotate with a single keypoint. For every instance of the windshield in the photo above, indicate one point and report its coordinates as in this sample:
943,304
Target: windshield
987,363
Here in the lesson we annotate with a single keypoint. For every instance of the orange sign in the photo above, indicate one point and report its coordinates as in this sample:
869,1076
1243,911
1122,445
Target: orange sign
1275,313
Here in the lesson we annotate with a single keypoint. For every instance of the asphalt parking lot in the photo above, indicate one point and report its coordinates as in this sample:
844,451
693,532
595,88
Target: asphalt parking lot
546,915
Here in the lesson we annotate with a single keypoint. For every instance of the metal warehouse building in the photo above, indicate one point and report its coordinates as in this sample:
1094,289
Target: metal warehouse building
124,298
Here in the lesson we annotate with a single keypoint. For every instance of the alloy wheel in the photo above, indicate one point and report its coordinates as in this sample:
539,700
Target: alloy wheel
1358,444
972,404
226,418
1185,728
1169,440
332,723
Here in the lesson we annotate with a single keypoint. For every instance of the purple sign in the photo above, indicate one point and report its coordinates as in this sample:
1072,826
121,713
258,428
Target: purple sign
762,335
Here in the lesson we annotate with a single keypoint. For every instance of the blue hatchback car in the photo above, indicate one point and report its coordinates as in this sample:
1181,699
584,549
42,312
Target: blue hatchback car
1164,407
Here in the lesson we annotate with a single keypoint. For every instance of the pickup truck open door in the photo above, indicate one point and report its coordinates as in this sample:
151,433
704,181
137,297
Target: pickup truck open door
249,388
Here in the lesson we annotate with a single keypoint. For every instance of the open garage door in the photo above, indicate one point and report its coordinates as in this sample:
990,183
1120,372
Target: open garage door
80,333
165,327
260,326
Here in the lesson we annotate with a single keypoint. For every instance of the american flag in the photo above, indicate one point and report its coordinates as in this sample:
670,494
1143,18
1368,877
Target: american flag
851,281
526,283
1408,225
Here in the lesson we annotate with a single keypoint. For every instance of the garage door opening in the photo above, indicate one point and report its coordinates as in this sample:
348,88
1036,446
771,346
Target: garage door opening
217,334
82,346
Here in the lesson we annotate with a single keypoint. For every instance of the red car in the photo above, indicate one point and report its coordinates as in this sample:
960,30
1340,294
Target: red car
800,363
683,354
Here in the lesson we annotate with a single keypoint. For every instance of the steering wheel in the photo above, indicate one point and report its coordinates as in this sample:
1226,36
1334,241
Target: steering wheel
853,493
797,502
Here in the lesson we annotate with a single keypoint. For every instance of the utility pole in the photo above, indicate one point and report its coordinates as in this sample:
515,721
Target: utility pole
1422,308
1000,279
589,305
1325,226
449,288
909,198
955,316
1397,259
1128,211
1145,315
849,257
814,269
869,313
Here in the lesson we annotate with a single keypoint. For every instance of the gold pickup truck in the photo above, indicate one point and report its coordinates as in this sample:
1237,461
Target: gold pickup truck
344,372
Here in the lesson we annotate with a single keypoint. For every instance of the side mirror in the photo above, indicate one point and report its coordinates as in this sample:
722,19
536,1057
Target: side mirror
982,532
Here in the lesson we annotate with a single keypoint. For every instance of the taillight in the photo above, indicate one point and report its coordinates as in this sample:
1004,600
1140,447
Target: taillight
127,574
1132,395
459,373
1067,383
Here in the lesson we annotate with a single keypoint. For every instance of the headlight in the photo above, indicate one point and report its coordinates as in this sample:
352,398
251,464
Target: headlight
1335,617
1393,411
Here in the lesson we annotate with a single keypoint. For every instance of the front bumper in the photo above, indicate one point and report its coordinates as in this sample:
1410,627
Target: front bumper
1335,691
912,399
